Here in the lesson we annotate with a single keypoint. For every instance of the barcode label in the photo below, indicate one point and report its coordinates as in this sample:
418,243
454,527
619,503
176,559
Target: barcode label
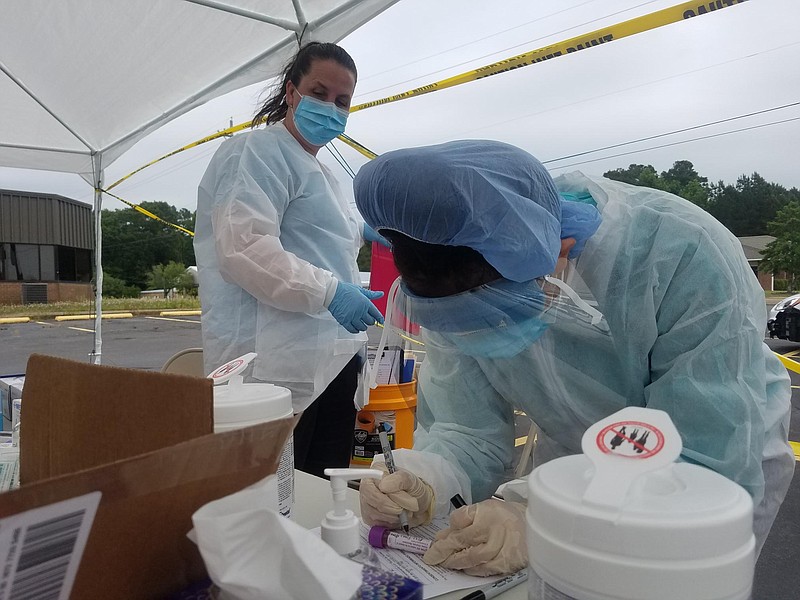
40,549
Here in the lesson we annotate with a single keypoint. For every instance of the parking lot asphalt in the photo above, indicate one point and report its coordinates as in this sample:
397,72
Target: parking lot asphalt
146,342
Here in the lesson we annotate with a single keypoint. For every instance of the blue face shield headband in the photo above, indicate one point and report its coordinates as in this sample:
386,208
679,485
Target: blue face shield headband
318,122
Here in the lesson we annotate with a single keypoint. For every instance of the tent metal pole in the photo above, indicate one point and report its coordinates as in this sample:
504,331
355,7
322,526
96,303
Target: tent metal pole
97,169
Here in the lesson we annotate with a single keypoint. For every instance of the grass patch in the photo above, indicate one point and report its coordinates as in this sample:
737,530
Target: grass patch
777,295
109,305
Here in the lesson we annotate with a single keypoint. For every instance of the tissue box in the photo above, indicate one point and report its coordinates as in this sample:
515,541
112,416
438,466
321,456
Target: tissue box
144,441
382,585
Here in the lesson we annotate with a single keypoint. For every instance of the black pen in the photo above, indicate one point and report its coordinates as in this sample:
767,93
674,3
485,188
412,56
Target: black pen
496,588
389,458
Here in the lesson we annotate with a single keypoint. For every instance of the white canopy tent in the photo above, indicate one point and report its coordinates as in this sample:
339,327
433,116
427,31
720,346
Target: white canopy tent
81,81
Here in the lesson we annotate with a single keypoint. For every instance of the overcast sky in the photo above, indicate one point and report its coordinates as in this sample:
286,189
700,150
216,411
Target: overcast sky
719,67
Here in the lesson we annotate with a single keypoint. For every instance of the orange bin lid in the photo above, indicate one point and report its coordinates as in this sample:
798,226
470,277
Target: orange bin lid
393,396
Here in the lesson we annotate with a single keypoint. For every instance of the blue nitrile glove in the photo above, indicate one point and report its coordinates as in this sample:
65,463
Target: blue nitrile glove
373,236
352,308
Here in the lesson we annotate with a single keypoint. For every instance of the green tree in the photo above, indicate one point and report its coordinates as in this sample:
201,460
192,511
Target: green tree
364,259
783,254
133,243
113,287
169,276
644,175
684,181
187,284
748,206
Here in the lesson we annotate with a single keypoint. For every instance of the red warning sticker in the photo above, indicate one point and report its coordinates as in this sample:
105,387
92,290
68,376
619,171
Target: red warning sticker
630,439
227,368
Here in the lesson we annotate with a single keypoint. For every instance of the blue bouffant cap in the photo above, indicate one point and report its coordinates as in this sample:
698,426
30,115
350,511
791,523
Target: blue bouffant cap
489,196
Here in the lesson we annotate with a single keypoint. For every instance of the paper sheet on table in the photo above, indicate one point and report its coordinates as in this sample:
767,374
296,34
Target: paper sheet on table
436,580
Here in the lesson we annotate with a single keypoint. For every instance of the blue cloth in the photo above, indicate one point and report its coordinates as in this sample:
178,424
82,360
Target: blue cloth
579,220
487,195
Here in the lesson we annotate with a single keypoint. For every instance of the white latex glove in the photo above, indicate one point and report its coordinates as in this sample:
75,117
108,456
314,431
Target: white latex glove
382,500
487,538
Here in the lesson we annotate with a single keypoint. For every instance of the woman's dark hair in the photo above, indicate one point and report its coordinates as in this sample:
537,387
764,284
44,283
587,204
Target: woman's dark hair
434,271
275,108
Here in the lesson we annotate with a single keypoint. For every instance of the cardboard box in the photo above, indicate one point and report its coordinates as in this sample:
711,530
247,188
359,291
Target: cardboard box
143,440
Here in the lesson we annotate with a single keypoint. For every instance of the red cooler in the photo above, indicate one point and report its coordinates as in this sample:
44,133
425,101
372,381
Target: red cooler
382,276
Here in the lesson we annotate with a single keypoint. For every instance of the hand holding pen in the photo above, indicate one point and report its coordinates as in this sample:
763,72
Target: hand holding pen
389,459
397,495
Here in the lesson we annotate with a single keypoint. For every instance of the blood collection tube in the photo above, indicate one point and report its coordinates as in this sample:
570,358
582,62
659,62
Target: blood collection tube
381,537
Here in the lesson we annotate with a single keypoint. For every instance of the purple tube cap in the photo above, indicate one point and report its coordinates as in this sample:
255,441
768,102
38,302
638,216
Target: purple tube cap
376,536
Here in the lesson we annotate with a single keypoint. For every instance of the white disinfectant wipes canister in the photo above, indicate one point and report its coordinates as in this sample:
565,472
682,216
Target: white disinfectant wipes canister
238,405
624,521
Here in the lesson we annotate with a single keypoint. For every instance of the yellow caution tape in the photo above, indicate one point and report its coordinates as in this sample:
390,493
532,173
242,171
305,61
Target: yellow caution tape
147,213
633,26
405,337
790,364
654,20
796,447
209,138
359,147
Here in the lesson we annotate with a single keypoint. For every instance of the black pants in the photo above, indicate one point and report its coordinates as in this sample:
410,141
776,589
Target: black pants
323,437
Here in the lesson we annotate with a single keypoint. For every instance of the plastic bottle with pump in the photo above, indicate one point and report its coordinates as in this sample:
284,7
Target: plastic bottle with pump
341,528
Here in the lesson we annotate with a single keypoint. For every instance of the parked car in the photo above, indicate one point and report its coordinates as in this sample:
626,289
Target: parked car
784,319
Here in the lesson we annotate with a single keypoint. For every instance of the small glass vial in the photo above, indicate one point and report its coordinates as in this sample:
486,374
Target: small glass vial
381,537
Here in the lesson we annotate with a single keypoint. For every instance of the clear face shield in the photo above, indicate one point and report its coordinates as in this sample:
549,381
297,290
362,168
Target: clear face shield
497,320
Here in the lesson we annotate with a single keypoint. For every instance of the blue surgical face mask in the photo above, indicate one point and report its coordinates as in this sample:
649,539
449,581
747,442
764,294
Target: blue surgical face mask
318,122
495,320
500,342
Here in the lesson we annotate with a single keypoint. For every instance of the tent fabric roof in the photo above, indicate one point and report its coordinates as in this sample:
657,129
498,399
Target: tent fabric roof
81,77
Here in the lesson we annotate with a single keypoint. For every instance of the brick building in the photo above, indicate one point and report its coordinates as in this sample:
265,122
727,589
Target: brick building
46,244
753,247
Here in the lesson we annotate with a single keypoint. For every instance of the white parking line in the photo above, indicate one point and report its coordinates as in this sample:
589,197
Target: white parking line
81,329
171,319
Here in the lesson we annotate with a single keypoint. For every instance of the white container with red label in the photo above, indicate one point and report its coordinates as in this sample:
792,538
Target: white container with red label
624,521
238,404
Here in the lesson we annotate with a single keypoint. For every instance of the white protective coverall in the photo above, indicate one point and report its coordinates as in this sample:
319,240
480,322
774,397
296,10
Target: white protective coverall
686,321
274,234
